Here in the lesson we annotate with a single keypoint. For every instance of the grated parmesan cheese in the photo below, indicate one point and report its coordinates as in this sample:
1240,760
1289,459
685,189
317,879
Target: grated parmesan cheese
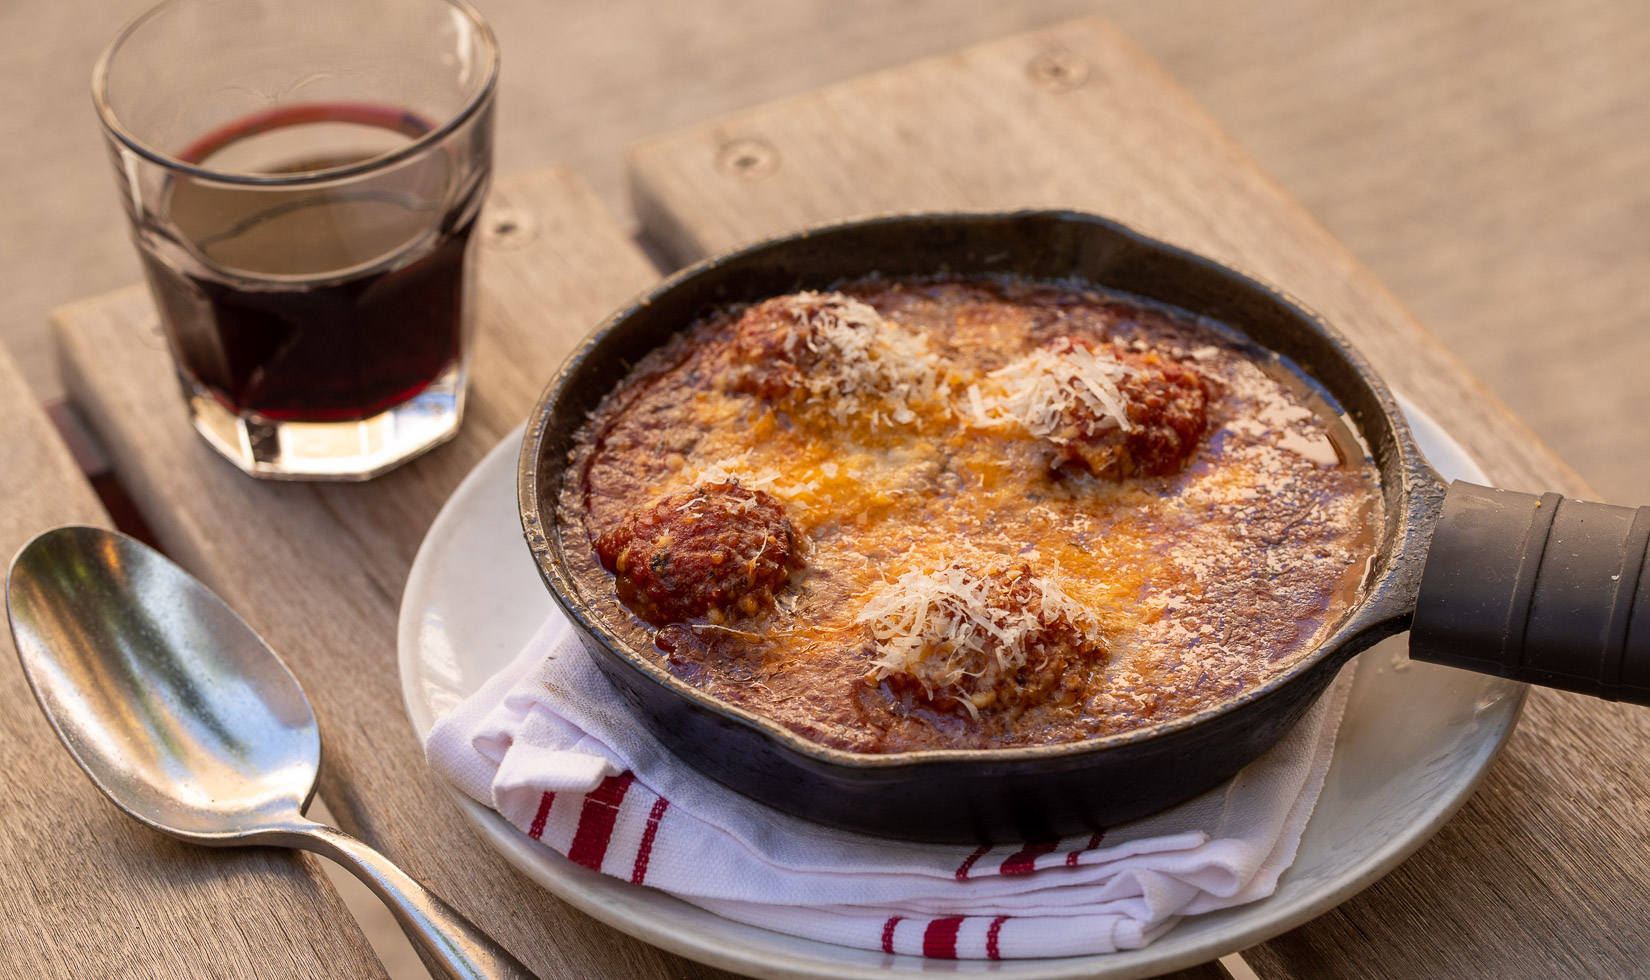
926,624
861,358
736,470
1038,391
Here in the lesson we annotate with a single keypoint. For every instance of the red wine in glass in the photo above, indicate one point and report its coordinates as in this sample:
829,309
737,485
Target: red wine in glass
329,300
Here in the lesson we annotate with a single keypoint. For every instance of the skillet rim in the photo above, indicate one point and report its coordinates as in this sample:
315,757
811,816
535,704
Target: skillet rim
1396,557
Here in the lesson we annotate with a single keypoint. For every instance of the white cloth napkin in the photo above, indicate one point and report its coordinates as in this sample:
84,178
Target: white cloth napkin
550,746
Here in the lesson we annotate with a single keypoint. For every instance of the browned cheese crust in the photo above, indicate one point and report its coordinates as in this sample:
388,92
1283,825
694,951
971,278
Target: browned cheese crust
963,514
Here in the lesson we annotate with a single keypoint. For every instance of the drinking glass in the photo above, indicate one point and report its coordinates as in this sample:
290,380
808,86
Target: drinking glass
302,178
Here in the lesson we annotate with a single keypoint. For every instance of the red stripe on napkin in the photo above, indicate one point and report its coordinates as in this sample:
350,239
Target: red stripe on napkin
888,933
601,809
968,862
537,829
638,873
939,940
1094,842
1024,861
991,950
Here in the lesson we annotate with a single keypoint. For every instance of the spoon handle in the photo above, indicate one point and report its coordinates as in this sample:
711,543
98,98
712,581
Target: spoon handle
449,944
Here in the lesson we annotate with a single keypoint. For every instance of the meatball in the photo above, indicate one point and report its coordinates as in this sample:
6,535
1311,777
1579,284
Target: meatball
1167,407
718,551
1000,641
775,347
830,356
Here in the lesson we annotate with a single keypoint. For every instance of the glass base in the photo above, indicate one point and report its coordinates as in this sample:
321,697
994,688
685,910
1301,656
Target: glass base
360,450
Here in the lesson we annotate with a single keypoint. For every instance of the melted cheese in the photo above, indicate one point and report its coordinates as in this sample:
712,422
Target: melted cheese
1202,584
738,471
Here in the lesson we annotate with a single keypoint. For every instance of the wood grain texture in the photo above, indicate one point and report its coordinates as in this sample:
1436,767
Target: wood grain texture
1485,157
1557,837
318,569
87,891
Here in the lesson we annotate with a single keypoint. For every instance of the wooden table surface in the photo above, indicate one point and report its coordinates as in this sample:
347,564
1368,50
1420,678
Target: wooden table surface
86,891
1074,116
1485,158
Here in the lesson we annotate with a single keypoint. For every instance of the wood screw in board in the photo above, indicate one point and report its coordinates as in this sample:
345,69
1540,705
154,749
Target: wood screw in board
747,159
153,332
508,227
1058,70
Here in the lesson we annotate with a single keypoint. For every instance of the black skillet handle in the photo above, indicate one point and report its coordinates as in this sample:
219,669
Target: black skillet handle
1546,590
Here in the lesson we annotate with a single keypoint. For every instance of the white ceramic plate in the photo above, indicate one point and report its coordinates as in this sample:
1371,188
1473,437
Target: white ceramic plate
1415,741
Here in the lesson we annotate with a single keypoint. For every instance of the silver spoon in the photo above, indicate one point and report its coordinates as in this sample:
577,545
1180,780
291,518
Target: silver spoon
186,720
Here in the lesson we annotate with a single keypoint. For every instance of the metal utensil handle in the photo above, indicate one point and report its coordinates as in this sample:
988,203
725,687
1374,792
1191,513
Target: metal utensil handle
449,944
1546,590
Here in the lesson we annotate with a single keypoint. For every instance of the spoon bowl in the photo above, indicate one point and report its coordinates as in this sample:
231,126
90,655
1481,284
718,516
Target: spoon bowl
189,722
174,707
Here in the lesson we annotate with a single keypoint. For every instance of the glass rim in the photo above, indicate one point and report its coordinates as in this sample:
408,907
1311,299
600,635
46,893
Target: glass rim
112,125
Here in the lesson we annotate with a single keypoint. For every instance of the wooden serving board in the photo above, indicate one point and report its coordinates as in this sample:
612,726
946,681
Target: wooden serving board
1539,874
88,891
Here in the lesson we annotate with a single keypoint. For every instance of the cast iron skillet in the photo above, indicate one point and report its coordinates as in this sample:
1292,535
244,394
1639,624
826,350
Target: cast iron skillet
1538,589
